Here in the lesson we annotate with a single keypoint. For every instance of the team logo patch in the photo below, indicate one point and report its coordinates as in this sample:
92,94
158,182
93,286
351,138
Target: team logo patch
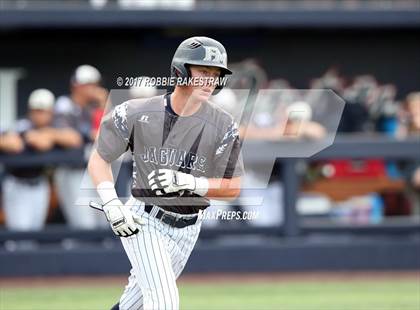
213,54
119,116
231,134
144,119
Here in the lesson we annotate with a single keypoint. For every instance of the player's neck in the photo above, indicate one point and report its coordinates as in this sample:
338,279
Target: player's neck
182,103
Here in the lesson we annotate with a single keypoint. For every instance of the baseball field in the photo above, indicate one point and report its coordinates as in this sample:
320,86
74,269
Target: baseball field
309,291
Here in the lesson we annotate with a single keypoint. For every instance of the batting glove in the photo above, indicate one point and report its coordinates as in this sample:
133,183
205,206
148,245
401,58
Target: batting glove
165,181
123,221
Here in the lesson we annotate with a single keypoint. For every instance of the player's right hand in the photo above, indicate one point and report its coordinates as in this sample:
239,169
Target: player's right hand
122,220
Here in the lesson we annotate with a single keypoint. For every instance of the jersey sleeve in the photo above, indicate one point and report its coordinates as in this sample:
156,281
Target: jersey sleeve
114,134
228,158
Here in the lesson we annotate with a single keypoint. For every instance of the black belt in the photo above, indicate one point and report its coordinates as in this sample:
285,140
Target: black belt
170,219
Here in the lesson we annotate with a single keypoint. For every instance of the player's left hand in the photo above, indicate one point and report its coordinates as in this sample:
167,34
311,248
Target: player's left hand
165,181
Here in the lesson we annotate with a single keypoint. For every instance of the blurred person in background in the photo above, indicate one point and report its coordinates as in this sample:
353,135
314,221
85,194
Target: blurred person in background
80,111
410,127
143,89
409,117
277,121
299,123
357,93
370,107
26,191
277,116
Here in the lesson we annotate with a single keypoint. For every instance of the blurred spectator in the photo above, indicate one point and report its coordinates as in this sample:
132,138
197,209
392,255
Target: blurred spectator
410,127
409,117
143,90
26,191
356,94
276,121
79,111
299,122
383,110
277,116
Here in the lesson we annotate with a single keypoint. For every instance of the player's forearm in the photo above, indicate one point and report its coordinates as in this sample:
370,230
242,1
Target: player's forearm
224,189
99,169
101,174
68,138
11,143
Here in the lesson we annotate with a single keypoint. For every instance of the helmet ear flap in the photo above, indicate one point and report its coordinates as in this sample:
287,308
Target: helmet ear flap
220,86
175,72
179,70
187,69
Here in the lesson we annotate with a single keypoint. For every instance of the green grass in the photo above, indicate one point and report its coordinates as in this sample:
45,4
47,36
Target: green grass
353,295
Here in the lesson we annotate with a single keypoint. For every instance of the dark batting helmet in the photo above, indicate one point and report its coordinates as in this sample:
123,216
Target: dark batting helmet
200,51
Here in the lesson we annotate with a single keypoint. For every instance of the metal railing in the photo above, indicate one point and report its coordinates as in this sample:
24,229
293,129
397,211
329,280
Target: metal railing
347,146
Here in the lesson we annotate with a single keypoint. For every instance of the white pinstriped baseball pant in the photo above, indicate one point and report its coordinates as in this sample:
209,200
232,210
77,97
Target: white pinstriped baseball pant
158,254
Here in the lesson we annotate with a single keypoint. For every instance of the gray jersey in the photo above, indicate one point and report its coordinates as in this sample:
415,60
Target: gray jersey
205,144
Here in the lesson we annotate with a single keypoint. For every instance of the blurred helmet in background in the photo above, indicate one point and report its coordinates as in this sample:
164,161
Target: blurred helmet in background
41,99
143,90
86,74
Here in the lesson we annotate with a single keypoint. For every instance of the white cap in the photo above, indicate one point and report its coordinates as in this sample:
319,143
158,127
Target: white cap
143,90
41,99
86,74
299,110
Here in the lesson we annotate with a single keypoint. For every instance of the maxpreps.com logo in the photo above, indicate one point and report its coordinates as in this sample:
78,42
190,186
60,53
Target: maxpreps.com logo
214,55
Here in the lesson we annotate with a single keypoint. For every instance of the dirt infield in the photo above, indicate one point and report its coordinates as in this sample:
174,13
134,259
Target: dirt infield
285,277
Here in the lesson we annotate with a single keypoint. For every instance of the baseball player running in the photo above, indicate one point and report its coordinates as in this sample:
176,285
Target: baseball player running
185,151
